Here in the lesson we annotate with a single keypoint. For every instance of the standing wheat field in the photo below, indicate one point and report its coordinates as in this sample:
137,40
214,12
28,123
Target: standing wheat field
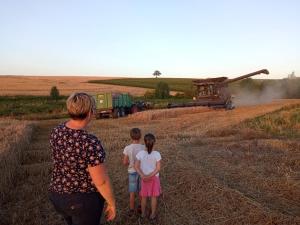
217,168
41,85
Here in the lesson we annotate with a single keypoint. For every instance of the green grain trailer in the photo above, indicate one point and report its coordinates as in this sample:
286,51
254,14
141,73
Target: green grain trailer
113,105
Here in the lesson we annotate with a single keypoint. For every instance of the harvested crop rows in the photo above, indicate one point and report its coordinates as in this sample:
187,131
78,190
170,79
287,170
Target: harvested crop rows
210,174
14,138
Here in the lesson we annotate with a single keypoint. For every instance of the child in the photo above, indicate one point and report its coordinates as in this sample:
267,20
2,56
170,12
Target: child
148,166
129,159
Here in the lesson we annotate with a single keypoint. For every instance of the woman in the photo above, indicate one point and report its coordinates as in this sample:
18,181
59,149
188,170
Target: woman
80,184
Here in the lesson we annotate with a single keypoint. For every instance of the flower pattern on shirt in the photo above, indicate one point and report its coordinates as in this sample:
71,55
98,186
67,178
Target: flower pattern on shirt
72,152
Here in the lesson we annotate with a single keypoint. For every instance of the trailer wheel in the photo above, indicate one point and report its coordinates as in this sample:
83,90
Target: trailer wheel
98,116
116,113
122,112
127,110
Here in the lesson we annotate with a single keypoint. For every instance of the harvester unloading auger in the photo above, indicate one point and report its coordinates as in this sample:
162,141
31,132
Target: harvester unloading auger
214,92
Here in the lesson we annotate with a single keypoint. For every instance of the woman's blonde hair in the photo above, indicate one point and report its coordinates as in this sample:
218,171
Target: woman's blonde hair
79,105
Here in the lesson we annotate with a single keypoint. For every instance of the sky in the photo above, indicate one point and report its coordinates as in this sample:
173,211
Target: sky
132,38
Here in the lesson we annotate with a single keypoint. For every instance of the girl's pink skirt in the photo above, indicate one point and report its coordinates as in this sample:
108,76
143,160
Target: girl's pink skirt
151,187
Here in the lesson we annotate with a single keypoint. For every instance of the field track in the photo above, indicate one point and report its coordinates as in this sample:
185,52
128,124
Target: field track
33,179
206,180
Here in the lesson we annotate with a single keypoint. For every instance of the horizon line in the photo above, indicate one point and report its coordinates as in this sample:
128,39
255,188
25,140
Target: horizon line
125,76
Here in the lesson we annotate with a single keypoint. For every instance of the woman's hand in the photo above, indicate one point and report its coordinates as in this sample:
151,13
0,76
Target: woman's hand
102,182
110,212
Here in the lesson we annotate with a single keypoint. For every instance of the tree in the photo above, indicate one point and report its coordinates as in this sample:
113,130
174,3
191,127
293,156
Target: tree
162,90
156,73
292,75
190,92
149,94
54,93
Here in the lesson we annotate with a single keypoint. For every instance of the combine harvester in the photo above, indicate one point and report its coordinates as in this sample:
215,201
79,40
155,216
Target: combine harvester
214,92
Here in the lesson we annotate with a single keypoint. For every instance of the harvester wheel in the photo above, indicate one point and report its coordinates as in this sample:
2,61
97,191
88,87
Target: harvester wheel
229,105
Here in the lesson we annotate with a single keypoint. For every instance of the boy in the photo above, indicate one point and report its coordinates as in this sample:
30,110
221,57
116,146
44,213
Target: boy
130,152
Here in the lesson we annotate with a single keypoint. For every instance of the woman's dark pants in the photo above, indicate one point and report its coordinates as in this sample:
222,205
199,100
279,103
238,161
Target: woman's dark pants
79,208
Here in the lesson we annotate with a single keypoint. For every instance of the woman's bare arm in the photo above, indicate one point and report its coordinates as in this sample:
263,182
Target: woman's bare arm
102,182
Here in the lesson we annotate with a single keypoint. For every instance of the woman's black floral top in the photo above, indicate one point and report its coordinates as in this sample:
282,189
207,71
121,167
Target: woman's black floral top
72,152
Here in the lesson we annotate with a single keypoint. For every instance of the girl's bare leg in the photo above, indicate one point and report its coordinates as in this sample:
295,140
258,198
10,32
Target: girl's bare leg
153,206
143,205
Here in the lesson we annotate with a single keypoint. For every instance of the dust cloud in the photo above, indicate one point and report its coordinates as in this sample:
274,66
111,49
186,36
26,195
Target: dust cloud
246,97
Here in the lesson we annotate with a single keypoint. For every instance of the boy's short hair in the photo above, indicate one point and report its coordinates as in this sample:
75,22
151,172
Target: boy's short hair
135,134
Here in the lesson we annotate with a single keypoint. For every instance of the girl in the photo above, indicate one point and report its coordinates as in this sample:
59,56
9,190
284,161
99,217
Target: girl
148,165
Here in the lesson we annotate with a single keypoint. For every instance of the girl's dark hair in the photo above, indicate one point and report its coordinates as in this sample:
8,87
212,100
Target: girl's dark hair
149,140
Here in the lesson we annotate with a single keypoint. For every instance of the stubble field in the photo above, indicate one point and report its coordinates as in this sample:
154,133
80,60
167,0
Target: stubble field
217,169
